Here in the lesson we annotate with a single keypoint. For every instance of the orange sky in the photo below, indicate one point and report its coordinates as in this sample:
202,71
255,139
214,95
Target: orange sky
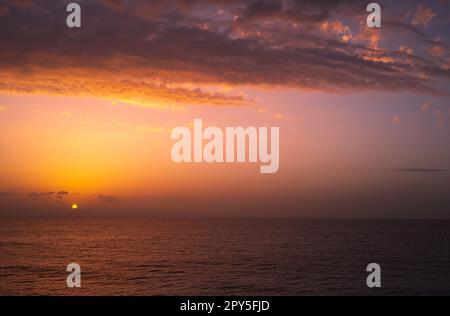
113,156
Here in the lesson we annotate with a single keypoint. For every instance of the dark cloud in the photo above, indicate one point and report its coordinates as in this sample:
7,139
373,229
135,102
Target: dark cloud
36,195
424,170
40,194
177,50
107,198
301,11
50,194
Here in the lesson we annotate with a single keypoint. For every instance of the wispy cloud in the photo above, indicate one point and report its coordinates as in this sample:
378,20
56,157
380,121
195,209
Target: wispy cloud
107,198
423,16
421,170
426,106
40,194
47,194
281,117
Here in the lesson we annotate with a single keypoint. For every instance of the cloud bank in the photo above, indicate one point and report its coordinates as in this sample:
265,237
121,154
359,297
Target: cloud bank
169,53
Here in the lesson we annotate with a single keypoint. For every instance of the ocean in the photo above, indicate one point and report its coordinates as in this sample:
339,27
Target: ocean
224,257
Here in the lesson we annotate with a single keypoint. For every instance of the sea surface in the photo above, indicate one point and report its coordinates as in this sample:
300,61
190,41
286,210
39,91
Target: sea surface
224,257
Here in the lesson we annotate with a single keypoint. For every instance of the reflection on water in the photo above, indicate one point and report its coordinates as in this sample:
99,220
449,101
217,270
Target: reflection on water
223,257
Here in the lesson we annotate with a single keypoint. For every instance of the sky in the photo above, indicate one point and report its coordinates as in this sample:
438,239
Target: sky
86,114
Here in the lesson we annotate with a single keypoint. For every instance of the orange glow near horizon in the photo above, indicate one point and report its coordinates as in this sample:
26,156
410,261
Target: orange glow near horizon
113,153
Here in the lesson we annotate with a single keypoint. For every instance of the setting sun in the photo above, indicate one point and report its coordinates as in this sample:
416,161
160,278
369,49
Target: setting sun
74,206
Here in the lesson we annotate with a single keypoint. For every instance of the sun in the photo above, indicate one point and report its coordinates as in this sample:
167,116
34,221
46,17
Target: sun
74,206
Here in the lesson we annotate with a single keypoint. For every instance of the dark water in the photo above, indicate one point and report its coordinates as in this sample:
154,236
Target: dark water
224,257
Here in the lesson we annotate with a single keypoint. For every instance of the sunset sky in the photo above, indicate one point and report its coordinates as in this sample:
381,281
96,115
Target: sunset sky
86,114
